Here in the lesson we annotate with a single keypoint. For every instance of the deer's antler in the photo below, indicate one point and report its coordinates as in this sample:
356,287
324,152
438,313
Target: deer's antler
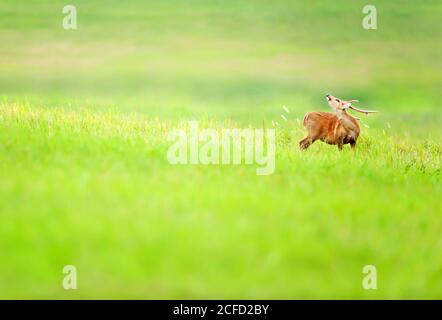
362,110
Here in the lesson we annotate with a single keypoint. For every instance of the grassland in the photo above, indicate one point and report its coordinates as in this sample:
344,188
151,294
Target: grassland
85,180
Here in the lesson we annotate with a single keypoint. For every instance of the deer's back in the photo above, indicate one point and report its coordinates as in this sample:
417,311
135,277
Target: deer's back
324,126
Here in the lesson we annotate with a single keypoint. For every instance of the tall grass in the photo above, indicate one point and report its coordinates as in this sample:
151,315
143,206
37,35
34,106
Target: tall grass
95,190
85,180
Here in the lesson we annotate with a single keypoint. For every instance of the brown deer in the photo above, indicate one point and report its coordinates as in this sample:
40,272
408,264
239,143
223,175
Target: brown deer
333,128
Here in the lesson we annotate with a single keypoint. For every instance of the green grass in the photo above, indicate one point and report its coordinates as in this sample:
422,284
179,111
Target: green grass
85,180
96,191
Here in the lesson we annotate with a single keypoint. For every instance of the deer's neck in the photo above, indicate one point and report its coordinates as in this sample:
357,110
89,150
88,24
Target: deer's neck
347,121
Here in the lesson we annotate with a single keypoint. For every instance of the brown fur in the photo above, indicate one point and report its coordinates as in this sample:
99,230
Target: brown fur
336,129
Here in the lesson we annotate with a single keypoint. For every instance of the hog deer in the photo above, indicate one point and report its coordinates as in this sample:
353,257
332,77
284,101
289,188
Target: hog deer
337,128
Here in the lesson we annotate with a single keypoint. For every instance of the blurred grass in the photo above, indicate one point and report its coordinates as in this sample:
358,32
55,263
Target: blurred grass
85,181
96,191
183,58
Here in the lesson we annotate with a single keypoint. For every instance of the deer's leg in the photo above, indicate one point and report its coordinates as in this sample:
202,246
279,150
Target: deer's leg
305,143
340,145
352,145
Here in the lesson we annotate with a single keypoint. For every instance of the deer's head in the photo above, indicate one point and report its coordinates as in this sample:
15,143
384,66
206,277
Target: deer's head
339,105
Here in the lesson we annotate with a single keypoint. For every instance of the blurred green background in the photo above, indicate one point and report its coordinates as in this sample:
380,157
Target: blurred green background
222,58
84,179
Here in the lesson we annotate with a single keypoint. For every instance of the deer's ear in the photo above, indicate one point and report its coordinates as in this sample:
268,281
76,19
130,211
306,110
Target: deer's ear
346,105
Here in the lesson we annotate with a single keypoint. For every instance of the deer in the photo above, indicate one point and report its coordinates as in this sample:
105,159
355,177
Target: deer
337,128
